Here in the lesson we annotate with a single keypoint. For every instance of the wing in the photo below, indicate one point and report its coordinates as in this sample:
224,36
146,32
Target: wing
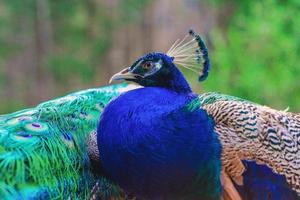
43,149
251,132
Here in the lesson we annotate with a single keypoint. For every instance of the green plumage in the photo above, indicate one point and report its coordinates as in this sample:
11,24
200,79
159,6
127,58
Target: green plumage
43,149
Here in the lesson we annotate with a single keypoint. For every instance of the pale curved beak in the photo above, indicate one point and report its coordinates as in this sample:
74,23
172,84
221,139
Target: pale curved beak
125,74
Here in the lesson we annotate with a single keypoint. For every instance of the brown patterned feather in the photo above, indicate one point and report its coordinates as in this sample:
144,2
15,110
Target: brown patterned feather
250,131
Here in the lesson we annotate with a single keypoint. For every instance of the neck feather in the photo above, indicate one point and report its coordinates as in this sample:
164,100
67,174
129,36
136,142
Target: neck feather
178,83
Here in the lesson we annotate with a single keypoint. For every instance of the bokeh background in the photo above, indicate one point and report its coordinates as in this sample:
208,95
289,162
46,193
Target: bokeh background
49,48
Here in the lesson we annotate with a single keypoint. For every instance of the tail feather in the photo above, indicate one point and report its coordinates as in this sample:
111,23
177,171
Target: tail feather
43,149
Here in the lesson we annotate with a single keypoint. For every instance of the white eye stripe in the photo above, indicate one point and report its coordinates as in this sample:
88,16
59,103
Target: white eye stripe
136,65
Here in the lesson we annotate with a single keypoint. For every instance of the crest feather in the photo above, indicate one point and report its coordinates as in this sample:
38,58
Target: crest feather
191,54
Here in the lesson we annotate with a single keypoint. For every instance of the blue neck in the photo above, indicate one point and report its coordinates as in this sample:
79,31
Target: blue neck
178,83
181,86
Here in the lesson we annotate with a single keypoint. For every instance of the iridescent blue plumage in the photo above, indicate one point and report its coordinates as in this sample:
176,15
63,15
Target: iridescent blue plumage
153,143
260,182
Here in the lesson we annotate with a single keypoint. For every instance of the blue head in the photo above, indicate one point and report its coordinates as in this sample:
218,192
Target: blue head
160,70
155,70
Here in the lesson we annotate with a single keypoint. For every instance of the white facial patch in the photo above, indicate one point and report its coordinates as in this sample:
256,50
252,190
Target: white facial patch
158,65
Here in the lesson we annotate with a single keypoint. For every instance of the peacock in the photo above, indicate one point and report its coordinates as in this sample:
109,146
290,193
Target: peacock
162,141
243,150
153,141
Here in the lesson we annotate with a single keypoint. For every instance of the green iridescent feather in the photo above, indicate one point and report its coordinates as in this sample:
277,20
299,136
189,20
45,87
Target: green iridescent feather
43,149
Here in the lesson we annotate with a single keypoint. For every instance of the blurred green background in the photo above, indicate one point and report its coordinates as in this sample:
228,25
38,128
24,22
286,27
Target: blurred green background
50,48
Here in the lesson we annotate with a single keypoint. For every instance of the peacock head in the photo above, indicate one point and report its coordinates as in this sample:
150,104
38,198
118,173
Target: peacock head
158,69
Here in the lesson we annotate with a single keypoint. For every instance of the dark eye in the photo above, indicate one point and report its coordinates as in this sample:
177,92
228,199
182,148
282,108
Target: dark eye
147,65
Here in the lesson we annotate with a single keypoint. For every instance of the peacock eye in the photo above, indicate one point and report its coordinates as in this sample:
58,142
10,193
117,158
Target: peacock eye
147,65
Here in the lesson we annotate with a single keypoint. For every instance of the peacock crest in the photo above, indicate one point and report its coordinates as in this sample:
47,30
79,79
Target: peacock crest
191,53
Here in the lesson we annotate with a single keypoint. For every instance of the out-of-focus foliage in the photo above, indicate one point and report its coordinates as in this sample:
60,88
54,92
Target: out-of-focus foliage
83,31
50,48
62,43
257,56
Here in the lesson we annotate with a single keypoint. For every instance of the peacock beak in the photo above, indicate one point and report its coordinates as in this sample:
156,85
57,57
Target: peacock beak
125,74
